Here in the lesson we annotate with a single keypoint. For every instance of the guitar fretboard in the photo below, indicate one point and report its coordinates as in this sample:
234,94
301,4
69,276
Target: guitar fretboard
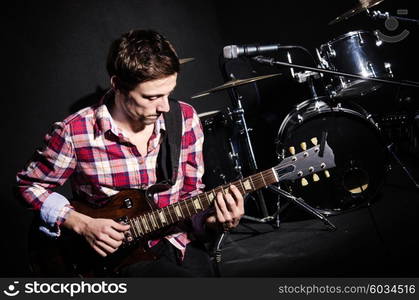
157,219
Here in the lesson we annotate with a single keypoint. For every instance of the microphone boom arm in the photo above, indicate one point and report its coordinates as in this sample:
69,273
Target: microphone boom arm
272,62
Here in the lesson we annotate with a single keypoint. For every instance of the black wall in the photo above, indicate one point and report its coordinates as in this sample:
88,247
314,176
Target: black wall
54,63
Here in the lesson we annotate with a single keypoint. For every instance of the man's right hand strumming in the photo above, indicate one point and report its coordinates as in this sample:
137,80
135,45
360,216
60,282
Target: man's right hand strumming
104,235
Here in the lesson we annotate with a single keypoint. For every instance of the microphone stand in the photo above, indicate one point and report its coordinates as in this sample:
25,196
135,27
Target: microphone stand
272,62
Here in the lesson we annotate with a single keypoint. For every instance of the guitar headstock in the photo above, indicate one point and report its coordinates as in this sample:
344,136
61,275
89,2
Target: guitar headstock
308,162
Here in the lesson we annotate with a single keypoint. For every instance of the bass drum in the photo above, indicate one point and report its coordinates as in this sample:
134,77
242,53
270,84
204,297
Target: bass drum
360,155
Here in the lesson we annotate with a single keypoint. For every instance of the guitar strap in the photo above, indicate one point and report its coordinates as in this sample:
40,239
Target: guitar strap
169,154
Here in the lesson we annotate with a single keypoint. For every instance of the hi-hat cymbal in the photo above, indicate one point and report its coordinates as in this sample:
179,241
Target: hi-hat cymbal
186,60
233,83
362,6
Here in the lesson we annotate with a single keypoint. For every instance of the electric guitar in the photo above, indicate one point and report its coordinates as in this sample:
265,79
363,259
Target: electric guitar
136,208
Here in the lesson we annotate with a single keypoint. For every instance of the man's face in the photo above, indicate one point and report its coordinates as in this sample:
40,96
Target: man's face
149,99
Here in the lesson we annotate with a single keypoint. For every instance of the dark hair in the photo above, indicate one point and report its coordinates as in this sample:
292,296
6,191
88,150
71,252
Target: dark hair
141,55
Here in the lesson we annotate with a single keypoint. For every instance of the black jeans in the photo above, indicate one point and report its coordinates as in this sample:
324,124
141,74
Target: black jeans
196,262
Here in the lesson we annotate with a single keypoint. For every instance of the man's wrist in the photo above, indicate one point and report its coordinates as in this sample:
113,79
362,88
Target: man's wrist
76,221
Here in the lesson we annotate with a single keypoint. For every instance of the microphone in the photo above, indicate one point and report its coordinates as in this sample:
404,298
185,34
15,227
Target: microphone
234,51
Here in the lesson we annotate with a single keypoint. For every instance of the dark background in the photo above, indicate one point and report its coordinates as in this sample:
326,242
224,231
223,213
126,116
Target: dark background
54,63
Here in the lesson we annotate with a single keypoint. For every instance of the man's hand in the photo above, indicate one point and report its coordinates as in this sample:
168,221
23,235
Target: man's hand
228,209
103,235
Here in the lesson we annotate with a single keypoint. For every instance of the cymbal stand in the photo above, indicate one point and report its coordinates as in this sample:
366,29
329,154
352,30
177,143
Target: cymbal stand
240,122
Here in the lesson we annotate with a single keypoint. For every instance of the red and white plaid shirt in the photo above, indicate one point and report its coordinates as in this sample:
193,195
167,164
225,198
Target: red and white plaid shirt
90,150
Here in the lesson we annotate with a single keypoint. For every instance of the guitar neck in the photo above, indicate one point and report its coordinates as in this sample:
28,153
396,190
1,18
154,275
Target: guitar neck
157,219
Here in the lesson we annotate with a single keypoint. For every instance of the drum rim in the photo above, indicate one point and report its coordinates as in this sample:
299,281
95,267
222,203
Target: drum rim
360,113
345,35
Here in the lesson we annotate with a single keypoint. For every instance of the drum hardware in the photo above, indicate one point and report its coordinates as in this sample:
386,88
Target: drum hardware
355,52
363,5
376,14
240,125
272,62
405,169
240,121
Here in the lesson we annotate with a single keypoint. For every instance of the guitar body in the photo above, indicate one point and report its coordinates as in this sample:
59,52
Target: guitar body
71,255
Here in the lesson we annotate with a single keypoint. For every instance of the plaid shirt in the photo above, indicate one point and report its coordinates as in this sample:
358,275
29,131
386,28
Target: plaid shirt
94,153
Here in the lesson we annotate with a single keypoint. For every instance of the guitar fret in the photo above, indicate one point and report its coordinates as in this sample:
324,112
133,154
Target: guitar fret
192,204
152,220
263,179
205,198
251,181
168,212
145,225
188,205
156,220
162,217
187,208
138,226
200,202
275,175
132,227
241,187
197,204
210,196
178,210
147,219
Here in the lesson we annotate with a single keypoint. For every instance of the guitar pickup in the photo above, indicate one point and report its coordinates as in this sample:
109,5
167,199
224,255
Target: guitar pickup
128,203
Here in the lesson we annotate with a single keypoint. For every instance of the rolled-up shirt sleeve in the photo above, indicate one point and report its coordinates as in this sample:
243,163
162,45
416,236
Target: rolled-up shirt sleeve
50,167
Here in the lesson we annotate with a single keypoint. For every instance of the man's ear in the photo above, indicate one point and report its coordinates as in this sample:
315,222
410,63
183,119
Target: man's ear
114,82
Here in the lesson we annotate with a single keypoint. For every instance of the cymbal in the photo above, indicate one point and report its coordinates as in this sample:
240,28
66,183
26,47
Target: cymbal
362,6
208,113
186,60
233,83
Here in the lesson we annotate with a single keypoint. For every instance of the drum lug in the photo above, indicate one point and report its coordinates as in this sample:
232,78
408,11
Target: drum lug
371,69
323,62
387,66
360,39
379,42
332,52
300,118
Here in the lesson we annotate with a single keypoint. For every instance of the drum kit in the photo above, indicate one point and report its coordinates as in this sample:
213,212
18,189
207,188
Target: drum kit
348,66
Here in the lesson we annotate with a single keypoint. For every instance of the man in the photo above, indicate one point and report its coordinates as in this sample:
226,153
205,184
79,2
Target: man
114,146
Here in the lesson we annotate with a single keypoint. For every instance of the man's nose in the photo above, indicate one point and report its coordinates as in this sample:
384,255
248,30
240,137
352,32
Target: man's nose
164,105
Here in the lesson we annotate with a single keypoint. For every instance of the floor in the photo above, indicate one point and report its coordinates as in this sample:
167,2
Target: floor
379,240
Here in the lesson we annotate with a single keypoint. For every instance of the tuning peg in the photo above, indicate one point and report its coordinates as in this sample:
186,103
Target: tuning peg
304,182
314,141
316,177
326,173
292,150
303,146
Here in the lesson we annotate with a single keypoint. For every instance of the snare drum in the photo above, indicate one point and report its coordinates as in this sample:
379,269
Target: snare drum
356,52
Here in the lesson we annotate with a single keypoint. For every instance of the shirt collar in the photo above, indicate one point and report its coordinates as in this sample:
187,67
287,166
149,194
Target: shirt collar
104,122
